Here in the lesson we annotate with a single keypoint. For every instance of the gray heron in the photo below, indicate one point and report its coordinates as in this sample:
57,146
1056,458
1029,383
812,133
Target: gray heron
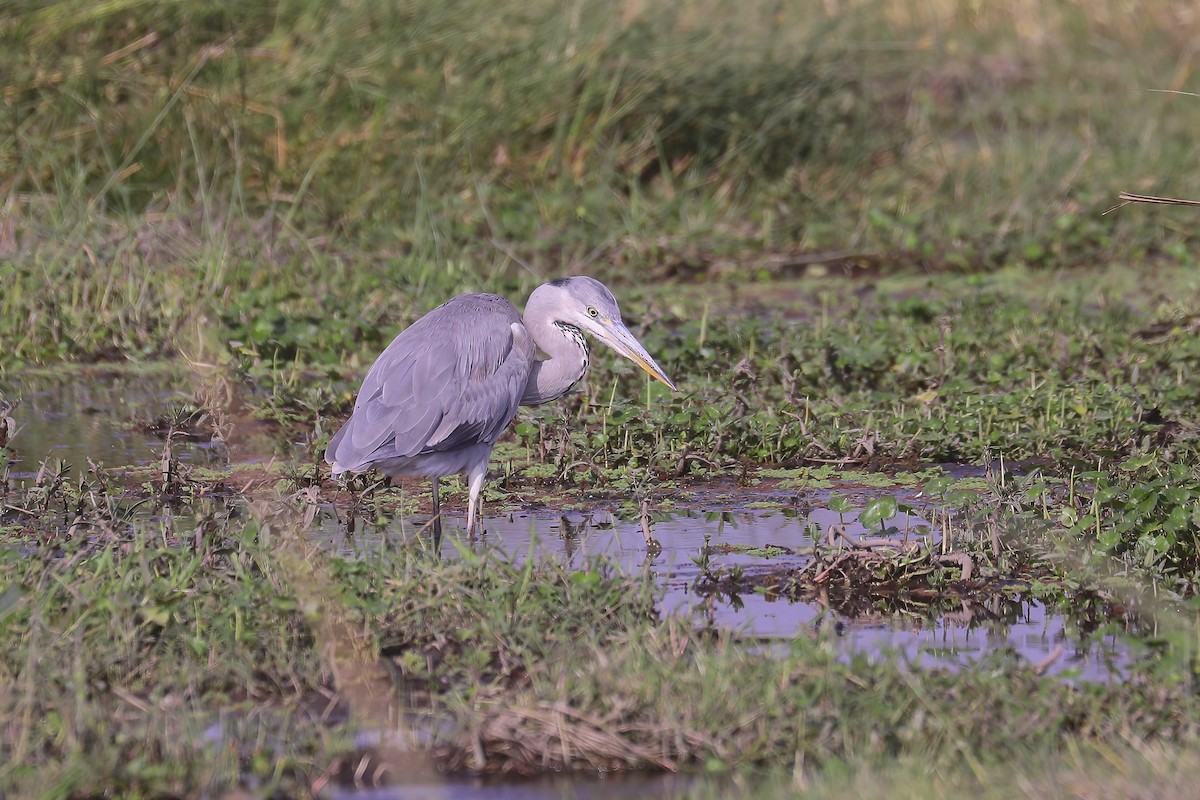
440,395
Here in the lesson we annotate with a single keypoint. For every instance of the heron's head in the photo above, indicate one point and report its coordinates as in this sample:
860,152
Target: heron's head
587,304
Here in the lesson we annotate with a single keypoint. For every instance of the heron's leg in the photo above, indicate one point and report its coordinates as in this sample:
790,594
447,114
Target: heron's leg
437,513
475,485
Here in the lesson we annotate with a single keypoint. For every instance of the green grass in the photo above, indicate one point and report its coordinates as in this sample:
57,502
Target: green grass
303,178
145,640
157,662
867,241
1082,770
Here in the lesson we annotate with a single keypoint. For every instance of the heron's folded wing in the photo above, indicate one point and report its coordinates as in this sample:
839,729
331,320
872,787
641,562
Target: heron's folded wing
451,379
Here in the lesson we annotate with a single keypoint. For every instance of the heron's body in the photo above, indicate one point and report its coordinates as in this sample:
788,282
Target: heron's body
439,397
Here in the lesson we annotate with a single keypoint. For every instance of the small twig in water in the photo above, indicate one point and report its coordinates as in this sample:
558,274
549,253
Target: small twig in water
1043,665
964,562
652,544
20,510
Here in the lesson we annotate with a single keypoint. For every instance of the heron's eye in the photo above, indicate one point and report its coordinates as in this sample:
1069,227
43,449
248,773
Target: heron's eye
592,312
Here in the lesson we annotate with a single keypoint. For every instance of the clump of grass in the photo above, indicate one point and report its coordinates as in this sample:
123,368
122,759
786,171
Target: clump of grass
163,661
886,566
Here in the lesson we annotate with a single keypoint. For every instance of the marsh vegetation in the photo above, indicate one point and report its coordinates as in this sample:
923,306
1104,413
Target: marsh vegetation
866,240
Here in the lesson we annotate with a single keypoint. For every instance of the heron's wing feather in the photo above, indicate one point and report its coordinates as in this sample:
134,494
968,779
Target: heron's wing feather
452,379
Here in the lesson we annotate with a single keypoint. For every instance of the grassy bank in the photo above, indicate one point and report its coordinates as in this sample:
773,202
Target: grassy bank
343,168
197,658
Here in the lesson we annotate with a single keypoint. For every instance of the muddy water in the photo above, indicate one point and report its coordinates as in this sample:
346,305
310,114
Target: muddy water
82,414
620,787
957,635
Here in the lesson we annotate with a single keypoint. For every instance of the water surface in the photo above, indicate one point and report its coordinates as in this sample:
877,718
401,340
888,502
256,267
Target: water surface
955,633
99,414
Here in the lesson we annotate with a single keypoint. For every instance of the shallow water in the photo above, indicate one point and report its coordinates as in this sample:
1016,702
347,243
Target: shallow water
93,414
648,786
956,636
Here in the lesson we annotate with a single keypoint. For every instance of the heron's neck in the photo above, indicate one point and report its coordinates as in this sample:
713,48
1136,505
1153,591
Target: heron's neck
553,377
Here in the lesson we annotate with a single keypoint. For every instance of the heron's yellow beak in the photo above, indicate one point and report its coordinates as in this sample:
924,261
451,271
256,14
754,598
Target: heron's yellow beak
617,336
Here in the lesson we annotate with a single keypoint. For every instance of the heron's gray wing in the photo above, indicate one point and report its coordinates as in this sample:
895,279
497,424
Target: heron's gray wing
453,378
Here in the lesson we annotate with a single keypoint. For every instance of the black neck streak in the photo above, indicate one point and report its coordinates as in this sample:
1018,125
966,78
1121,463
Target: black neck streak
576,336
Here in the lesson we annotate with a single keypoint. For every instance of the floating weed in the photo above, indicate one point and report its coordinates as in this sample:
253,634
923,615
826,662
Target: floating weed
881,480
539,471
784,474
770,551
